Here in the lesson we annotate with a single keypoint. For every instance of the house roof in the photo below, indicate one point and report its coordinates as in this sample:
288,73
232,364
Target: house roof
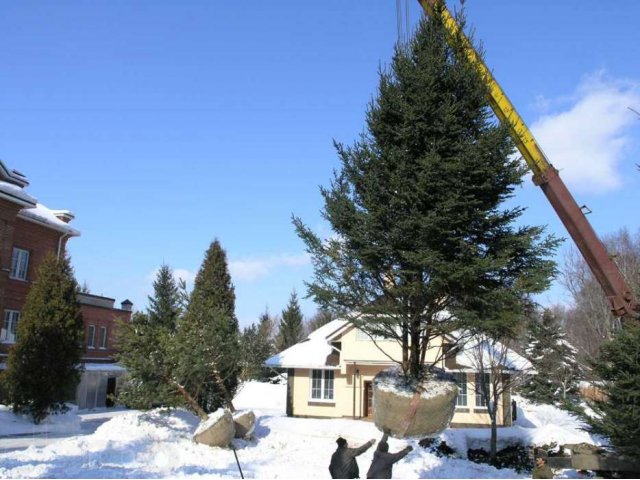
312,352
476,353
46,217
12,185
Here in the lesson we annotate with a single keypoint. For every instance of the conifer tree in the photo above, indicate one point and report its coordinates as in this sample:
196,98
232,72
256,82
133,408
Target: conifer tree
291,329
554,360
422,236
43,367
145,347
619,368
256,347
207,343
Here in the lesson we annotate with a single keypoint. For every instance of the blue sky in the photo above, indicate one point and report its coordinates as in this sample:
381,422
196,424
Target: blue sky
163,125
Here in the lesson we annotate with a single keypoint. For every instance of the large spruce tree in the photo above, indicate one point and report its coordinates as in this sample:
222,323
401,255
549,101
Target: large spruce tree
291,329
43,367
145,347
422,232
208,338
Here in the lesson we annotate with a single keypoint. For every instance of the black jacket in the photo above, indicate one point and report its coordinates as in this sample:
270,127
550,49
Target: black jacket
343,461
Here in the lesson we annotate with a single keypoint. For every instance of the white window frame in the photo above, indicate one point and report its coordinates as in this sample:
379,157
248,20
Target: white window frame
19,264
325,391
9,332
91,337
478,389
103,338
462,400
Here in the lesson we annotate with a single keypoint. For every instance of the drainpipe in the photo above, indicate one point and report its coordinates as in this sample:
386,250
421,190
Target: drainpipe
60,243
360,391
354,389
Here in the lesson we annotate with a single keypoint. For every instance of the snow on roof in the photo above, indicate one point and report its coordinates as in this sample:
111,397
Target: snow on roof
477,352
311,352
103,367
43,215
16,193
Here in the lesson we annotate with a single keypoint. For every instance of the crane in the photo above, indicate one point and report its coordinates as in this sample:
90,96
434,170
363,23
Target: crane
622,300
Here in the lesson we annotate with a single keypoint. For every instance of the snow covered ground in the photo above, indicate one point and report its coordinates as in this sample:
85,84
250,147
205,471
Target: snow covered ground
158,444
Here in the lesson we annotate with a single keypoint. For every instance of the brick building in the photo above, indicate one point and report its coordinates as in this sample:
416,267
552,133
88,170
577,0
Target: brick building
28,232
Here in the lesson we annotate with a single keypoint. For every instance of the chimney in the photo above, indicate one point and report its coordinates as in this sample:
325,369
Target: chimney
63,215
126,305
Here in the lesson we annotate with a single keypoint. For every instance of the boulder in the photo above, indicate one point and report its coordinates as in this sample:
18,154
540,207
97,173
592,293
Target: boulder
403,413
244,422
217,431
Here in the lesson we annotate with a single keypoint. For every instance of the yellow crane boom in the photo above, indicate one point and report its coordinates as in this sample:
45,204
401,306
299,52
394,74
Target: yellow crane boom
621,298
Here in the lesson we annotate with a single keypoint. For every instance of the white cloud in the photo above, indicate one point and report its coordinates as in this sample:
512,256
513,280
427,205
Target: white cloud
251,269
587,140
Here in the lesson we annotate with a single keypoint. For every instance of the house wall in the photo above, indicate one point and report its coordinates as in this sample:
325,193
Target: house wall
101,317
360,361
38,241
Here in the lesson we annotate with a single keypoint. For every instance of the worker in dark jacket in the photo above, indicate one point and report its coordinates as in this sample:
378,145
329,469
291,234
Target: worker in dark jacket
382,463
343,461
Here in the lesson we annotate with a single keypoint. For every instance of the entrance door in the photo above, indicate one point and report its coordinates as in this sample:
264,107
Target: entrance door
368,400
111,390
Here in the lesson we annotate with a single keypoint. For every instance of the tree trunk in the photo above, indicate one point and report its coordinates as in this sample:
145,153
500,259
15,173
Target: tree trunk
494,437
225,392
414,357
194,404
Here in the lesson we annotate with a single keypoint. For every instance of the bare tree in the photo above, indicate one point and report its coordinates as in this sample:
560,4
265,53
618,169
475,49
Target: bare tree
499,370
589,322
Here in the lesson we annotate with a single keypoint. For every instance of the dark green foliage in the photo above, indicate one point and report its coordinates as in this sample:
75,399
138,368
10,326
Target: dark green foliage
515,457
164,306
145,347
554,360
422,236
291,325
207,340
256,347
619,368
44,364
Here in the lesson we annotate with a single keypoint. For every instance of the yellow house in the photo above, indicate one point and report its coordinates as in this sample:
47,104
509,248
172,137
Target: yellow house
330,375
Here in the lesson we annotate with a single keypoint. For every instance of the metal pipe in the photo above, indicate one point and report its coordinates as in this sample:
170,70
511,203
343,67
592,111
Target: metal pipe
60,243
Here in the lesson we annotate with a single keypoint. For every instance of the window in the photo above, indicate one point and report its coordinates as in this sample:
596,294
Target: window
103,337
19,264
480,384
461,381
10,328
91,334
322,385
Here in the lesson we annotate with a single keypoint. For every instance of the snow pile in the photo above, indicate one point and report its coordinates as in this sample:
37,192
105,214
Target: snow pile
157,444
537,425
16,424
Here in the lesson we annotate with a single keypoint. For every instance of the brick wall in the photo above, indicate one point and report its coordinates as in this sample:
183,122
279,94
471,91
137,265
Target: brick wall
101,317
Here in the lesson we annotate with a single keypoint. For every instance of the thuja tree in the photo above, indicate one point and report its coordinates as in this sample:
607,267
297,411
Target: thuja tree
207,342
43,366
423,242
145,347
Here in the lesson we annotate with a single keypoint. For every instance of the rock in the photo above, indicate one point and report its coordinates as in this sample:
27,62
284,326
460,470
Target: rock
217,431
395,403
244,422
